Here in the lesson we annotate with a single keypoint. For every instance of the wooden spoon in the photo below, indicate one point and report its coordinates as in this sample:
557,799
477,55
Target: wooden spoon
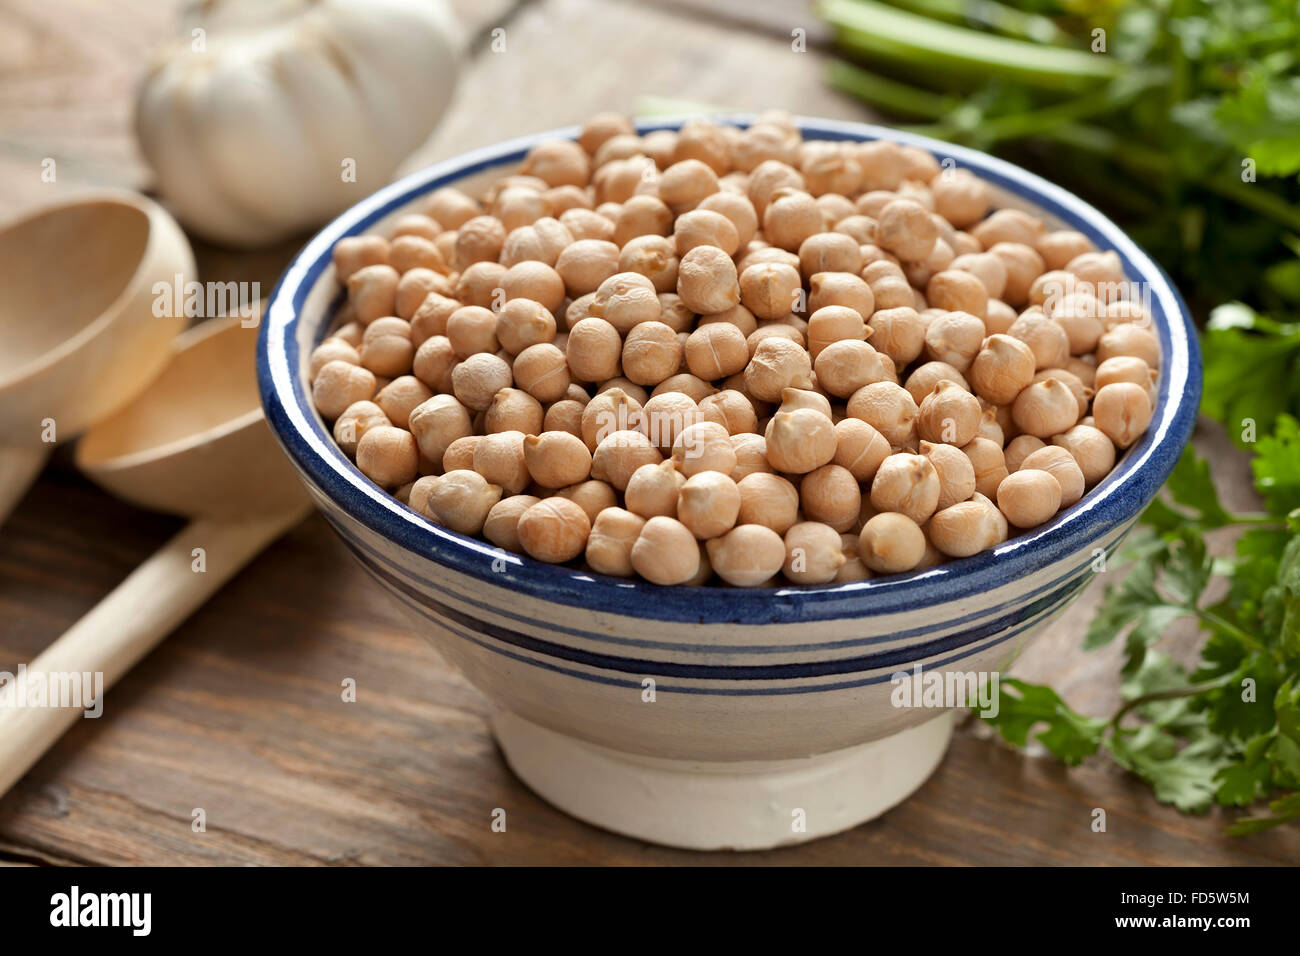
194,443
79,336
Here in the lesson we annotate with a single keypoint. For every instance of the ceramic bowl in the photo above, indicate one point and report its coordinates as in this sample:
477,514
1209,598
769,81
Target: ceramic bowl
715,717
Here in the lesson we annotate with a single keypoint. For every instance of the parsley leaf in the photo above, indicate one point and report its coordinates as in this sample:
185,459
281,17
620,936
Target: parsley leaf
1069,736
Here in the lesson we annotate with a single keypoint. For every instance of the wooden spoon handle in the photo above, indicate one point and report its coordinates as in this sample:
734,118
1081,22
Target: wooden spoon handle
18,469
126,626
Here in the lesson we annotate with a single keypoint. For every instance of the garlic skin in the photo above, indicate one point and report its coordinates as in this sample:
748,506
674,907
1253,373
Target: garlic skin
252,121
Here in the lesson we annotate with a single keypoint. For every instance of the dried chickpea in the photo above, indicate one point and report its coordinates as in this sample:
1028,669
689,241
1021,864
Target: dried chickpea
542,371
701,227
621,453
1060,464
708,504
830,494
768,500
460,453
513,409
666,415
747,555
1124,368
751,456
564,416
800,441
461,500
593,496
989,463
770,289
955,338
585,264
907,484
1008,225
777,364
707,281
471,329
1003,367
609,546
1029,497
522,323
684,184
499,458
338,384
1092,450
655,258
845,366
400,397
716,351
501,526
964,528
586,224
1131,340
888,408
554,530
949,414
859,448
791,217
701,447
730,409
957,291
738,209
955,471
1045,408
1058,249
813,553
891,543
904,227
833,323
665,552
372,291
1122,412
477,379
386,347
653,489
610,411
593,350
354,253
1020,448
331,350
926,377
1045,338
356,420
829,252
792,398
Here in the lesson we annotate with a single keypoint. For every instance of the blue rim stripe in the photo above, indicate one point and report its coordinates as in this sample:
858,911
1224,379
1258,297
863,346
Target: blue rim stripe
442,613
777,691
410,585
1115,502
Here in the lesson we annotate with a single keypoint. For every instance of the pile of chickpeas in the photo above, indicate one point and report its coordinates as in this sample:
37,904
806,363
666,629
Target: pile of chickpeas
734,354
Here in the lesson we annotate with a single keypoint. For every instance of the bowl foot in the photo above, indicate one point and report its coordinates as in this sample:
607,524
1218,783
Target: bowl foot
752,805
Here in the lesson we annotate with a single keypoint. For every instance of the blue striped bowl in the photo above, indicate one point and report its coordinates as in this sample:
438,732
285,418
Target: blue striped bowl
688,715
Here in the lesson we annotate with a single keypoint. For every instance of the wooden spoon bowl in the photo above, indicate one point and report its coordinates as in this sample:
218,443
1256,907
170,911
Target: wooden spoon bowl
79,332
195,442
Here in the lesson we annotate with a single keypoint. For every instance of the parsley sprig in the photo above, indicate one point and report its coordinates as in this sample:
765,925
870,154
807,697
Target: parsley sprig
1228,731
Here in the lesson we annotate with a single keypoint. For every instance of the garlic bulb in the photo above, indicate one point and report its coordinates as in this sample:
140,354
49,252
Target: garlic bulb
271,117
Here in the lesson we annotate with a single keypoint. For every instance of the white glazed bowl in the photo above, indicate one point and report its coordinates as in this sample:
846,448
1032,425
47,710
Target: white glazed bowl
714,717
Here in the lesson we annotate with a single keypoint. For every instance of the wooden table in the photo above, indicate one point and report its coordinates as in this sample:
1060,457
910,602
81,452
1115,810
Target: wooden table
240,712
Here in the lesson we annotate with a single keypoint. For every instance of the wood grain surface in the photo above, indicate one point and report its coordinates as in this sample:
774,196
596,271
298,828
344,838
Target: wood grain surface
240,713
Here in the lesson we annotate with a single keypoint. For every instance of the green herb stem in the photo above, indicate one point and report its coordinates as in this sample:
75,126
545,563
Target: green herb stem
1214,620
875,31
1192,690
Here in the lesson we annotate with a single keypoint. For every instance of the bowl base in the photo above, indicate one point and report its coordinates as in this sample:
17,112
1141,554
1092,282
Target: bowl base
752,805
